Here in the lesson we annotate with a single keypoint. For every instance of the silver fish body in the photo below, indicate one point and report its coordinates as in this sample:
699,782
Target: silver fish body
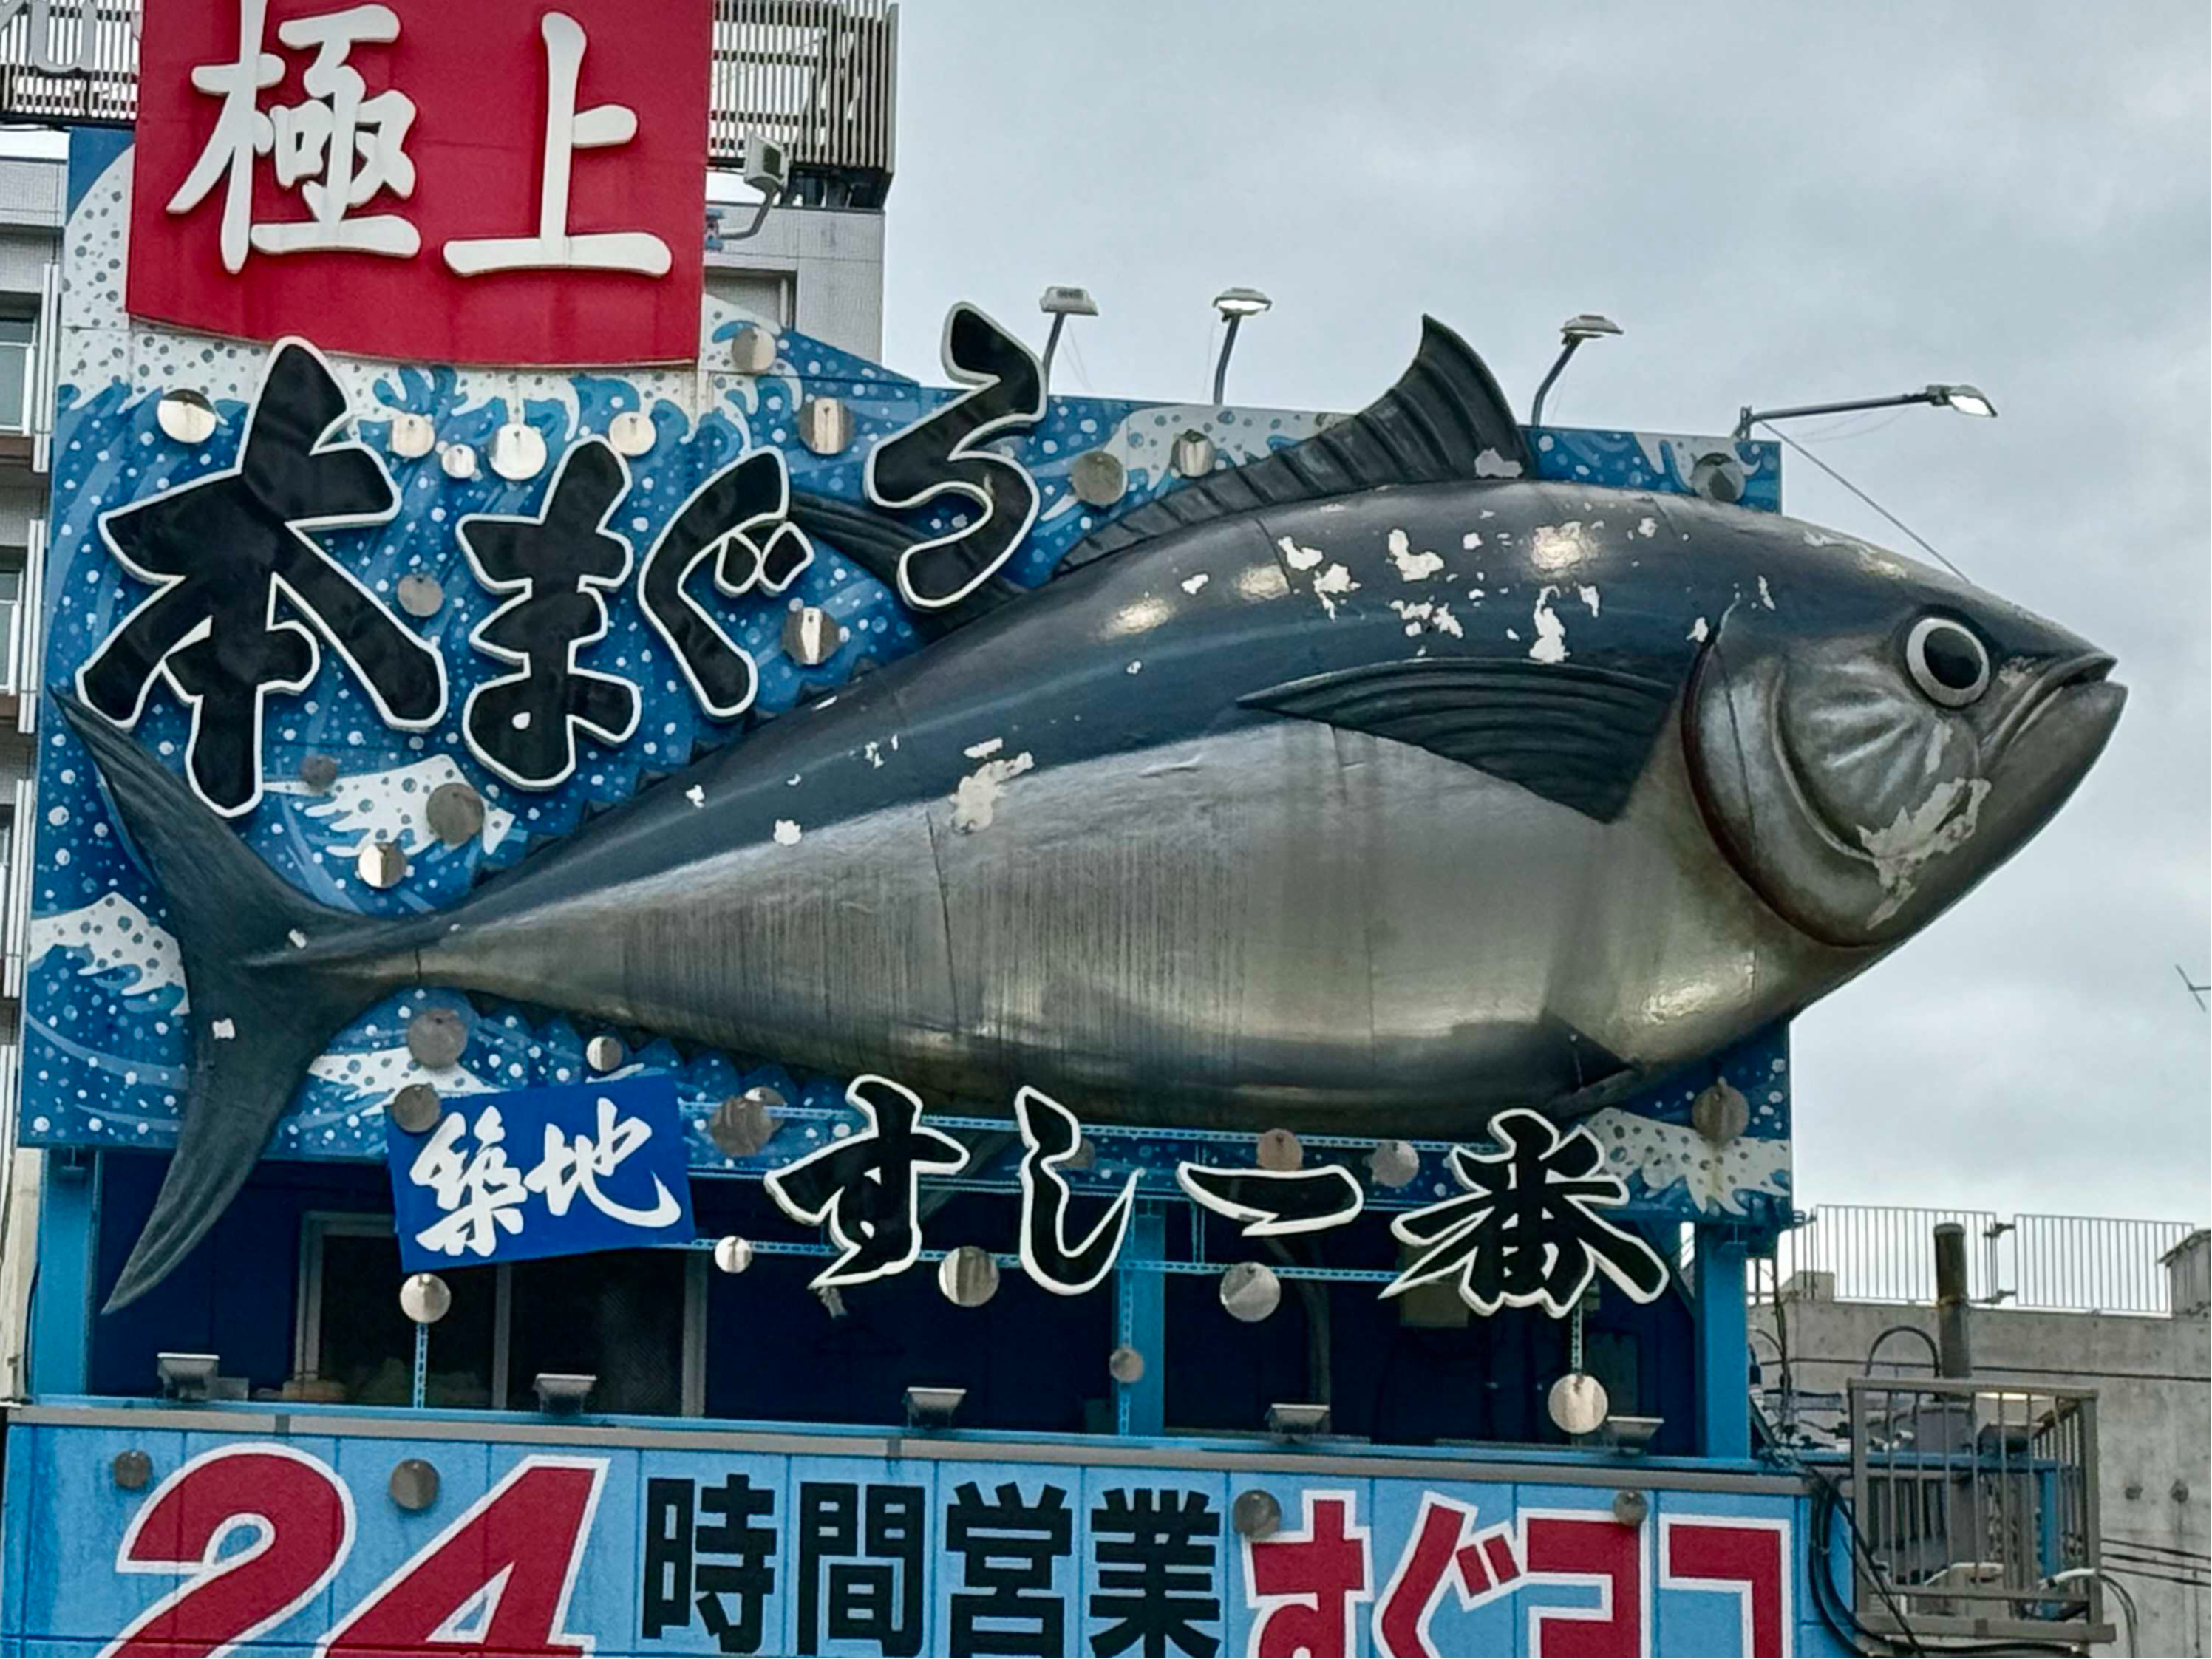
1057,848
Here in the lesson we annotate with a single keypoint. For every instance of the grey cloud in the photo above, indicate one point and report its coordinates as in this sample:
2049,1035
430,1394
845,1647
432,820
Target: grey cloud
1781,204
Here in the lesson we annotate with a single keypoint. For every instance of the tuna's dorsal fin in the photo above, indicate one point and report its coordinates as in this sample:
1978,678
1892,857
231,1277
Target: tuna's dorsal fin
1573,734
1444,419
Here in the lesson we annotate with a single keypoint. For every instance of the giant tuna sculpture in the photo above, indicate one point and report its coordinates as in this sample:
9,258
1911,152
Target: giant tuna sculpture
1369,788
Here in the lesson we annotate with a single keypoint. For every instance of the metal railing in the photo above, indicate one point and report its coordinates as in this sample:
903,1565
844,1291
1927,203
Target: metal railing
1971,1501
2105,1264
2074,1264
64,61
1877,1253
818,76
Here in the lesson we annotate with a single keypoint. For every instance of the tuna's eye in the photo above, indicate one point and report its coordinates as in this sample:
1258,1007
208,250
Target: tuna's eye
1946,661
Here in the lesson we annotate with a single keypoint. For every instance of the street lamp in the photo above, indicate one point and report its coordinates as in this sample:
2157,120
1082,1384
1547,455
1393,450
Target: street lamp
1235,305
1060,302
1583,325
1966,400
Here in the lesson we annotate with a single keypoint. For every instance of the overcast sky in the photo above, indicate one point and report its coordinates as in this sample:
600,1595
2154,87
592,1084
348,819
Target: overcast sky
1779,205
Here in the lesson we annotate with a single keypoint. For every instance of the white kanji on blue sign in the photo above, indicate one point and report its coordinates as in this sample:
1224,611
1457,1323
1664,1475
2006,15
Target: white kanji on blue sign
550,1171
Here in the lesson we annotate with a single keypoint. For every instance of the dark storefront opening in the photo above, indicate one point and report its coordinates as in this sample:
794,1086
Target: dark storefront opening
294,1290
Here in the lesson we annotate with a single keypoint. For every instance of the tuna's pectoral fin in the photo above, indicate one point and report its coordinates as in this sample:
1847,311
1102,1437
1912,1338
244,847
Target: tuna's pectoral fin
1573,734
272,974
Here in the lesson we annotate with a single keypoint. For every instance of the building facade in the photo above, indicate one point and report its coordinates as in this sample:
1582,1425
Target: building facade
680,995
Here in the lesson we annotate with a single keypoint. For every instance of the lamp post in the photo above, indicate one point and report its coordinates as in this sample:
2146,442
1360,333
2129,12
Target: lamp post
1235,305
1060,302
1583,325
1966,400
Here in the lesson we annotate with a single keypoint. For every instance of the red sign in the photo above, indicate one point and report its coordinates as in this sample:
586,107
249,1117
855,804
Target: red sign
471,181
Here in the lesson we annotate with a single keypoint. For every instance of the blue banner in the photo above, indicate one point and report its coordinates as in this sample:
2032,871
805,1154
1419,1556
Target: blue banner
533,1172
681,1540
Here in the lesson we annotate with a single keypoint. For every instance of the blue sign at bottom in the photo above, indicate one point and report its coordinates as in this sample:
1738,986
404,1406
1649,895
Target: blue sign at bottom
703,1543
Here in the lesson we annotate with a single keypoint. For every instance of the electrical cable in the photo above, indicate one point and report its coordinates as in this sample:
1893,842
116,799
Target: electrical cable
1828,1501
2146,1544
1927,546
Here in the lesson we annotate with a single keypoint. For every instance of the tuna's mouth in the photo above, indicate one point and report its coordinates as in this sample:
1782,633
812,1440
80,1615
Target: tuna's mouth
2061,680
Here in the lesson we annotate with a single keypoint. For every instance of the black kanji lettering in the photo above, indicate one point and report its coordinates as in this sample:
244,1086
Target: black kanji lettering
1527,1231
742,1567
557,568
867,1186
942,455
226,554
1009,1547
1050,1137
1273,1202
737,518
860,1565
1156,1553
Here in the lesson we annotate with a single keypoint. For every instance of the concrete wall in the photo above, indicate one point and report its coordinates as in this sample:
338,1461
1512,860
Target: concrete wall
2154,1382
835,260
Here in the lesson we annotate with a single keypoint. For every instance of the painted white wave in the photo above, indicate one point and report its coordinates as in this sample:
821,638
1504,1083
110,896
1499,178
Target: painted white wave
382,1072
113,933
1145,438
98,344
388,806
1716,1177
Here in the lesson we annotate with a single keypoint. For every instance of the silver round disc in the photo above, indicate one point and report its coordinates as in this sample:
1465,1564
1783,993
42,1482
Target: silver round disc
811,638
382,864
412,436
1192,455
186,416
518,452
458,460
1718,476
415,1108
825,425
604,1053
752,350
318,773
1256,1514
733,1254
426,1298
1126,1365
1280,1151
1250,1292
420,595
414,1484
455,813
1720,1113
631,433
1393,1164
968,1276
1577,1403
1097,479
741,1125
436,1037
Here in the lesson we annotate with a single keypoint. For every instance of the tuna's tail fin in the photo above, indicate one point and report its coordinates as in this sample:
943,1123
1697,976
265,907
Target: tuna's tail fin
272,976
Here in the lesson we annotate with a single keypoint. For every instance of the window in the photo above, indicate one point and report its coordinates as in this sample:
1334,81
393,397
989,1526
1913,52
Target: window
769,295
16,345
11,594
635,1320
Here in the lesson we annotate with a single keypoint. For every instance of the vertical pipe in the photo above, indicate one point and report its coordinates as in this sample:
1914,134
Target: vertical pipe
1724,1349
60,1324
1141,1322
1953,1306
